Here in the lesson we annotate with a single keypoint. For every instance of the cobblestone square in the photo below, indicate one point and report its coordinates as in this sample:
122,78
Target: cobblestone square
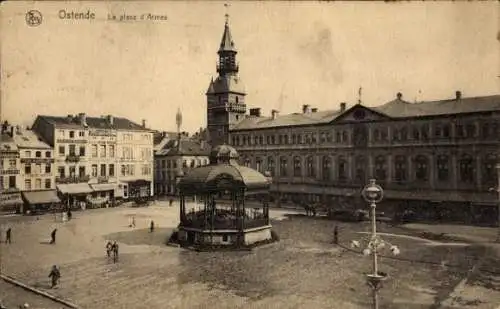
303,270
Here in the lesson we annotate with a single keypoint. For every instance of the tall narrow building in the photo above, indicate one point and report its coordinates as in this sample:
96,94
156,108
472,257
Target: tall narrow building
226,94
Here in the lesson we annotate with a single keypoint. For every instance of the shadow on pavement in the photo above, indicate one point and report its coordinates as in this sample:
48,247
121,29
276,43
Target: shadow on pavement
159,237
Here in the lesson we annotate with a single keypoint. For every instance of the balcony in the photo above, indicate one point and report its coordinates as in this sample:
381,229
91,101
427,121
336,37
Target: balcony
72,158
72,179
102,179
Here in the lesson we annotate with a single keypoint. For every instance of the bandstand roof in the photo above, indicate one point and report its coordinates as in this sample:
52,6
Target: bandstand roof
223,173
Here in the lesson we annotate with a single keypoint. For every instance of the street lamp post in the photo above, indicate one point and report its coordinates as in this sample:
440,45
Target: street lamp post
373,194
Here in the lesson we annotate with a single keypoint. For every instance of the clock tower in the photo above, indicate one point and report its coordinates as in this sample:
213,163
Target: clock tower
226,94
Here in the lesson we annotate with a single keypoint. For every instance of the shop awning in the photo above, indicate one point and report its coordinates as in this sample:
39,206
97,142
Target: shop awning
10,199
74,188
41,197
103,186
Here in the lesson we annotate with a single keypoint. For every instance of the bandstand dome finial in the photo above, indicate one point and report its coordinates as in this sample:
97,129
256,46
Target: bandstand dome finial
223,154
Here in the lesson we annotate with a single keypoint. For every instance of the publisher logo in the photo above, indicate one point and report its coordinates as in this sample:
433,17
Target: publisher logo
33,18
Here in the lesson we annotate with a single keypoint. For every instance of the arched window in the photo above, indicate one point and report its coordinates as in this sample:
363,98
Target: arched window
466,167
360,165
38,154
283,167
258,164
297,167
489,169
376,135
47,154
400,168
246,162
294,139
270,165
443,167
421,167
404,133
326,166
342,168
380,168
344,137
311,170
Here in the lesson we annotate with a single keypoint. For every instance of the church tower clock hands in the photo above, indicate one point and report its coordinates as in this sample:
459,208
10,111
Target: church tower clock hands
226,94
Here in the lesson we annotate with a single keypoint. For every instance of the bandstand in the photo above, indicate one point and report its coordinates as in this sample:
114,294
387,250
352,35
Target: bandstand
222,220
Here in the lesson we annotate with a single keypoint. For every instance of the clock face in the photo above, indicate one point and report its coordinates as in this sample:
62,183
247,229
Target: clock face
359,114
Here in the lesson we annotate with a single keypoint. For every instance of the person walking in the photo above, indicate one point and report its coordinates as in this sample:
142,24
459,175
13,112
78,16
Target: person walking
109,248
170,202
53,237
70,215
115,252
133,222
152,227
336,235
8,236
54,275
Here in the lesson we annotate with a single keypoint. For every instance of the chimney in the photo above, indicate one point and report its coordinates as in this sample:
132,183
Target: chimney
69,118
143,123
343,106
399,95
110,119
314,110
306,108
83,119
255,112
18,130
203,144
458,95
11,131
274,113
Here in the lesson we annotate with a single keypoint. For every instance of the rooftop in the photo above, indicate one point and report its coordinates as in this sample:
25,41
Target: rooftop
7,143
187,147
28,139
395,109
103,122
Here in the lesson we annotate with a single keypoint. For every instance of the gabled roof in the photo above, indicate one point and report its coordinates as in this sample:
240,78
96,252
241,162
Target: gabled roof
187,148
227,43
93,122
29,139
395,109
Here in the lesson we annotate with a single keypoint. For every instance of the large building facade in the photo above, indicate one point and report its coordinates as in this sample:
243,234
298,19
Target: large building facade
37,172
436,155
98,159
174,160
10,197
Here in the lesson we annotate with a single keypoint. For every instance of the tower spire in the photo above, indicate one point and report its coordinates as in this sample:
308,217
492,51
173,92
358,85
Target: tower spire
359,94
178,121
226,5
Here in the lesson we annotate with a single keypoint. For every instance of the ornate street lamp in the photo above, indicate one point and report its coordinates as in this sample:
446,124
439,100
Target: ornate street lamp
373,193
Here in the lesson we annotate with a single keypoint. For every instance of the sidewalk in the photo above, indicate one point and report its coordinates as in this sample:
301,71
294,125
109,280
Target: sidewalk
466,233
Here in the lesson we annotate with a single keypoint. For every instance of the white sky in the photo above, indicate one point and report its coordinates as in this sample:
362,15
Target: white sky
290,53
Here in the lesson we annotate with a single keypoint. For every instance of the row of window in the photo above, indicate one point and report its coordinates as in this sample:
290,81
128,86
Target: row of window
416,132
128,153
466,167
102,170
12,163
7,182
38,154
162,164
38,169
125,136
38,184
129,169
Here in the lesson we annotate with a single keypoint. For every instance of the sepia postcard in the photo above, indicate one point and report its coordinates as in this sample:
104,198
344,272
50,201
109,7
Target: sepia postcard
250,154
